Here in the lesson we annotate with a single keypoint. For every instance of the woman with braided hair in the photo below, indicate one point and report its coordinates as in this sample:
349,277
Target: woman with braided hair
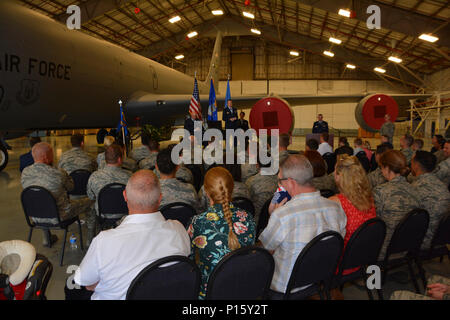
222,228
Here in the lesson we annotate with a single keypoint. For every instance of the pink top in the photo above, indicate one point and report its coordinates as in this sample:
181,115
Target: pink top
368,153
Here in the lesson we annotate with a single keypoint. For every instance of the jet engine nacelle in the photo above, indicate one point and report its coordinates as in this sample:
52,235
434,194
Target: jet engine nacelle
272,113
370,111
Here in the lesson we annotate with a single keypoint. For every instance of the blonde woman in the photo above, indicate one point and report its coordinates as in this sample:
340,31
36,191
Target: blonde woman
222,228
355,195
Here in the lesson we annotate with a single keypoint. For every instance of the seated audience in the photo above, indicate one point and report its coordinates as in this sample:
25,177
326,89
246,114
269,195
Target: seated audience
417,145
172,189
222,228
250,167
443,169
116,256
432,192
76,158
239,189
355,196
358,146
385,139
261,188
27,158
293,224
376,177
343,147
320,181
149,162
438,144
137,154
438,288
405,147
109,140
58,182
111,173
311,144
395,198
324,147
285,141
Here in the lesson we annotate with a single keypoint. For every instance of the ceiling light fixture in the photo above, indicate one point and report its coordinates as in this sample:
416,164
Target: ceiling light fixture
255,31
192,34
395,59
344,12
350,66
380,70
328,53
294,53
248,15
334,40
179,57
217,12
428,37
174,19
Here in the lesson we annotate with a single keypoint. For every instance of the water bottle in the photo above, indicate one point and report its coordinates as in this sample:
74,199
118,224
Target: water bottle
73,242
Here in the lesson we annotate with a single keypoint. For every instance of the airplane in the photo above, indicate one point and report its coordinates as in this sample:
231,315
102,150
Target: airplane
55,78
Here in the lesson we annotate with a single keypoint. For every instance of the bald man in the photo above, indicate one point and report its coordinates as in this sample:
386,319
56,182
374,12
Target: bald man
116,256
58,182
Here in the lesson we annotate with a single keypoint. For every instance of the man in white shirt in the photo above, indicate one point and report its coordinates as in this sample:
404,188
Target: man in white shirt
324,147
116,256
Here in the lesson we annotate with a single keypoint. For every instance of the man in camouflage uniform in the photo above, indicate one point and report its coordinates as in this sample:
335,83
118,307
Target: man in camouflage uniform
76,158
57,181
438,289
443,169
376,177
405,143
432,193
262,188
149,162
388,128
393,200
111,173
143,151
172,189
285,141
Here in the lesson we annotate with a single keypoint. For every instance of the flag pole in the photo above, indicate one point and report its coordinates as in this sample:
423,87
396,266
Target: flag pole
123,130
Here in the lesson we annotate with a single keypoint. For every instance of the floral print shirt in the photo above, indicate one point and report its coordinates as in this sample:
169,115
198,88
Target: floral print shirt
209,238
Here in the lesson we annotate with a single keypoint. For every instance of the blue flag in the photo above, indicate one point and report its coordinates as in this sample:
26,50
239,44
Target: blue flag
228,94
122,122
212,109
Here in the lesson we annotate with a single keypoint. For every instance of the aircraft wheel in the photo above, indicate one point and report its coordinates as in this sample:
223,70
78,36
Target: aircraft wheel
3,157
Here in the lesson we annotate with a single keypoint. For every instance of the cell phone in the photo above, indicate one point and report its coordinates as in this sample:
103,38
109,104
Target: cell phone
280,195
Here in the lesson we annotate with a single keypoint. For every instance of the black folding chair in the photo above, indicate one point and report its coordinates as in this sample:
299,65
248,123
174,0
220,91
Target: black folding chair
80,179
197,173
244,274
169,278
245,204
373,162
407,238
38,202
111,205
315,268
362,250
263,217
365,162
330,159
326,193
180,211
441,238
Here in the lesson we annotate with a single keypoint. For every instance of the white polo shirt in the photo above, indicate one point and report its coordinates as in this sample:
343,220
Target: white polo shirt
324,147
115,257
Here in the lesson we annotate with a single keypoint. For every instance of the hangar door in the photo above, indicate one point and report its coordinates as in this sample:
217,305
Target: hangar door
242,66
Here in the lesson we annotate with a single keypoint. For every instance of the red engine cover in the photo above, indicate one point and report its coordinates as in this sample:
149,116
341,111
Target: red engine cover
371,110
272,113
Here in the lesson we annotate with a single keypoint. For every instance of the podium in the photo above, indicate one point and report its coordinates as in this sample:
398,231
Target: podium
316,136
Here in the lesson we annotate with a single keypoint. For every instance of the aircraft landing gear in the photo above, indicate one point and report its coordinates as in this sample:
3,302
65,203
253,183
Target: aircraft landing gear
3,157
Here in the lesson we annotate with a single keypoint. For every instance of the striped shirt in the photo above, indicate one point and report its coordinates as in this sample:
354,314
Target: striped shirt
292,226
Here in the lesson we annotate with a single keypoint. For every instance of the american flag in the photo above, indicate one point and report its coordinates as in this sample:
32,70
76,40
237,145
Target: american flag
195,108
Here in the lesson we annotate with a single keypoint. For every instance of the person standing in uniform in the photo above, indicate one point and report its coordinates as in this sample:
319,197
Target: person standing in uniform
243,124
388,128
58,182
320,126
76,158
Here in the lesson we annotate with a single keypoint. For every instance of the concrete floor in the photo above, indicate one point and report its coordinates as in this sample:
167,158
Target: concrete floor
13,224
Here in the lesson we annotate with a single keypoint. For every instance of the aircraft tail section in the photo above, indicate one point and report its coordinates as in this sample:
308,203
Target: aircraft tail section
215,62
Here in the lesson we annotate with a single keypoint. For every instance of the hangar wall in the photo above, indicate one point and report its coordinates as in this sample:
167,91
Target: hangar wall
339,116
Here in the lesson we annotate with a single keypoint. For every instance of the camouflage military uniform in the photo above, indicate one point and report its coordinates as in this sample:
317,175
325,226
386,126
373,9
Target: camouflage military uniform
408,295
58,182
393,200
75,159
388,129
239,190
261,189
148,162
440,156
442,171
435,198
325,182
174,190
101,178
248,170
408,153
140,153
127,163
183,173
283,156
376,177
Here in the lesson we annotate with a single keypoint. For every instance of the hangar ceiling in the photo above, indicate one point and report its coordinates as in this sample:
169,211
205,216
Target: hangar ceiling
143,26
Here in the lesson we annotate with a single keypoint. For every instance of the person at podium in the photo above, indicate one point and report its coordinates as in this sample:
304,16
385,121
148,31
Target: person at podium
320,126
